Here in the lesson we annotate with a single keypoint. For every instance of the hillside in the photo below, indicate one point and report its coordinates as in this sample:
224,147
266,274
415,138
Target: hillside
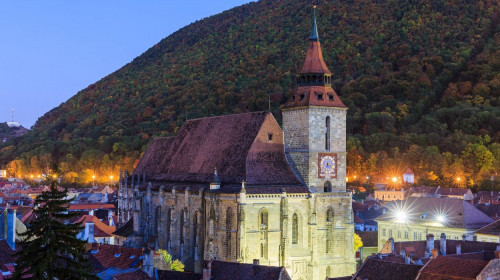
8,133
422,76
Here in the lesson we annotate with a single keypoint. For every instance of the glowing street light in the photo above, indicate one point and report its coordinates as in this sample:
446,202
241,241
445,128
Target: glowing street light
394,179
458,179
111,177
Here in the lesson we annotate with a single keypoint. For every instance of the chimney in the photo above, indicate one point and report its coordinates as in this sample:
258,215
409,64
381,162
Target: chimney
110,218
255,261
497,252
215,182
91,212
403,253
430,243
89,232
407,259
459,249
207,271
464,237
435,253
392,244
10,236
379,255
442,244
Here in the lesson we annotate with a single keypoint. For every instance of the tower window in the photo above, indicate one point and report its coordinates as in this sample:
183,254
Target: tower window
270,137
327,134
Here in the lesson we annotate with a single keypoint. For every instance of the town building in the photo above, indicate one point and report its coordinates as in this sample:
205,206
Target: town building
415,218
238,188
408,176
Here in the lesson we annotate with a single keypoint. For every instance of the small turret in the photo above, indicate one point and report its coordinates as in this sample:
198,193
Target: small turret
215,183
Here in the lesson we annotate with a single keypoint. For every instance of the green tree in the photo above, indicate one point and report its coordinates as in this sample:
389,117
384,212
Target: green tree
50,249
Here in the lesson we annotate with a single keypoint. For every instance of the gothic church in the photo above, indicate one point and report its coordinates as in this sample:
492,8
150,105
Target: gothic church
239,188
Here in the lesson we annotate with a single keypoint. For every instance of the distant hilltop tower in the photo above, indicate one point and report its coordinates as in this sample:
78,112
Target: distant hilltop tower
13,123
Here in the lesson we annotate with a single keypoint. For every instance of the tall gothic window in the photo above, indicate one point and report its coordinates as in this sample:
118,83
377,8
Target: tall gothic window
329,230
327,134
295,228
264,228
157,223
169,222
227,239
181,227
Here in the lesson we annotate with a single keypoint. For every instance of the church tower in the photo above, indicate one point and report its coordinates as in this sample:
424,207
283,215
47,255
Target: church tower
314,124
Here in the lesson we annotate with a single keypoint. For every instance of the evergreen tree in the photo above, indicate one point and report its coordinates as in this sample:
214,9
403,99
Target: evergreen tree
50,249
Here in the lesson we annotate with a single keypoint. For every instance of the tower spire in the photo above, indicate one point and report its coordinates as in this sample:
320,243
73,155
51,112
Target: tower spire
314,31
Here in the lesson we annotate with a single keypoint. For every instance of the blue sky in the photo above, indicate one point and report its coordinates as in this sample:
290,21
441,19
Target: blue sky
49,50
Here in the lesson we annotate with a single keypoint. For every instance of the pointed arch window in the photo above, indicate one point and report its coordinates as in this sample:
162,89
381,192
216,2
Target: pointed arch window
327,134
264,228
227,239
295,228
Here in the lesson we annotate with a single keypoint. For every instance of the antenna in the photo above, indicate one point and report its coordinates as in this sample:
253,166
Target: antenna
12,114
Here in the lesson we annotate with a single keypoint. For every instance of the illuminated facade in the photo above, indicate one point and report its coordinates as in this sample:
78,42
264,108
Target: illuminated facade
239,188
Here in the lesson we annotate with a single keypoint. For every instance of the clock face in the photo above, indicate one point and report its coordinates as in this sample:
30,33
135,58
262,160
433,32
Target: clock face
327,165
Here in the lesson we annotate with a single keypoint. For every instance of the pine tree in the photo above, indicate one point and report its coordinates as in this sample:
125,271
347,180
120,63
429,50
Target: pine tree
50,249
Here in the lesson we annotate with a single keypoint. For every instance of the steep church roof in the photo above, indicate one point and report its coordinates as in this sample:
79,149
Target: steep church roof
245,146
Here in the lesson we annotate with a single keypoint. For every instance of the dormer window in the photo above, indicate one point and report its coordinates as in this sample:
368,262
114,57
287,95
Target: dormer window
320,96
293,98
330,97
302,96
270,137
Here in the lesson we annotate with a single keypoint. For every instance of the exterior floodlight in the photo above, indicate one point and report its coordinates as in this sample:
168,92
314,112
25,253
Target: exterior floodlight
401,216
394,179
441,218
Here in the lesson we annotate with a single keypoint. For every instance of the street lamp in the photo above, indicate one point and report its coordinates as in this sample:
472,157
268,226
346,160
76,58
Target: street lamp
93,180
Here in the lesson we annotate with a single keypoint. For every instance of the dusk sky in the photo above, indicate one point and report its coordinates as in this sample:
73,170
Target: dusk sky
50,50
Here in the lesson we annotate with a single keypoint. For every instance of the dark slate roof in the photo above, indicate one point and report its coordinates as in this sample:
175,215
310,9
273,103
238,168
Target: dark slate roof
377,269
177,275
236,145
230,270
126,230
459,213
491,229
448,267
492,210
369,238
134,275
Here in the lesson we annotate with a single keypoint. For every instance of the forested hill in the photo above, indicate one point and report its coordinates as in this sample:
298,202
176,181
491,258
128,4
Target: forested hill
423,76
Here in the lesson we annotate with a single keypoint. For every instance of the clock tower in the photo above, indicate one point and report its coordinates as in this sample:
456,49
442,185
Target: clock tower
314,124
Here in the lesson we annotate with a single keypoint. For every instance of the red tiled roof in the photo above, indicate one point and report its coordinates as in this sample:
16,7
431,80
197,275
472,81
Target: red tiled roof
314,62
92,206
237,145
358,206
106,256
408,171
377,269
492,210
315,96
417,249
452,191
100,228
445,267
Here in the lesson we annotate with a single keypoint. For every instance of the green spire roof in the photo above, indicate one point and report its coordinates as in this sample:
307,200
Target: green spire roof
314,32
